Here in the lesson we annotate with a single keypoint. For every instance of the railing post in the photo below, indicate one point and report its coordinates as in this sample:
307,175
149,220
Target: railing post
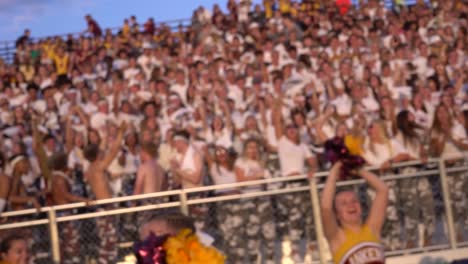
183,202
54,237
447,204
322,244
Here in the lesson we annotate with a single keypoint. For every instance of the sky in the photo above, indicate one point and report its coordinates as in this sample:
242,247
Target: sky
54,17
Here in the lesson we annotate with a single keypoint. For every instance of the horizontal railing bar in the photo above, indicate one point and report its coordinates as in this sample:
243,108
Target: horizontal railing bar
190,202
117,211
456,169
24,224
246,195
462,244
416,250
388,177
93,203
225,186
116,28
249,183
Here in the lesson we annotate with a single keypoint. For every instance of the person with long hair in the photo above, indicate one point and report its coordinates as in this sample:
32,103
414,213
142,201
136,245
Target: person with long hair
421,110
221,167
351,239
4,185
382,151
448,139
388,114
257,213
221,128
415,192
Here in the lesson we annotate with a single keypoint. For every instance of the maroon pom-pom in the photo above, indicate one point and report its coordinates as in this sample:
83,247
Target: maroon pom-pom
336,150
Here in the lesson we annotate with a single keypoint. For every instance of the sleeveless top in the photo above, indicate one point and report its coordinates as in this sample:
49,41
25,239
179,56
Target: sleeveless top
63,176
361,247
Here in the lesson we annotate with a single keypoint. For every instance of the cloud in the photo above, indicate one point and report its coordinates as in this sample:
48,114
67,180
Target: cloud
22,14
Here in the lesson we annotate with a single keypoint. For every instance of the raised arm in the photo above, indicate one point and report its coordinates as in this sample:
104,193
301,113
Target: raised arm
116,99
209,157
114,147
205,125
38,149
377,214
313,166
277,118
227,115
330,224
68,134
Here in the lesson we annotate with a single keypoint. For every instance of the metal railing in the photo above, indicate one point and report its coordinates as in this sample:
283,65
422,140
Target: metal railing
8,47
185,201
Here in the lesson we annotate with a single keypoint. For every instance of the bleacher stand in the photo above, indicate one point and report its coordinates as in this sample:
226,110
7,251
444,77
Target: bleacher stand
281,78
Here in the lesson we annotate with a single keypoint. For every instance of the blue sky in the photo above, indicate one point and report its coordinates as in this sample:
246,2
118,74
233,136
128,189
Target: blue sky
52,17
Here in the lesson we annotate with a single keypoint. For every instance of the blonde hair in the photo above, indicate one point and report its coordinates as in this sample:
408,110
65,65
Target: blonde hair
383,134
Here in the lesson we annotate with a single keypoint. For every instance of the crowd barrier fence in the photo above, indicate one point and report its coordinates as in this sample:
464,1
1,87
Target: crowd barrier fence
122,211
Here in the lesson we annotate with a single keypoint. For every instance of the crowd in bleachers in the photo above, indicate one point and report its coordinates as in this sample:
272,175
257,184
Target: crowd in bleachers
246,94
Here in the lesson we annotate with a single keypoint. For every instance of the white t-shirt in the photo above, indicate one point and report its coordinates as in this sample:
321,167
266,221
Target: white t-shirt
187,163
292,156
450,149
221,175
181,90
381,152
219,138
422,118
130,73
251,168
98,120
413,148
343,104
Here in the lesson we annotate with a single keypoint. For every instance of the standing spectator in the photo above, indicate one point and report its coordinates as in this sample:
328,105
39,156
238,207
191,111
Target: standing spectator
24,39
18,197
417,191
149,27
150,177
257,214
96,178
187,166
221,129
379,150
62,65
93,26
187,172
221,167
293,155
62,185
448,139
